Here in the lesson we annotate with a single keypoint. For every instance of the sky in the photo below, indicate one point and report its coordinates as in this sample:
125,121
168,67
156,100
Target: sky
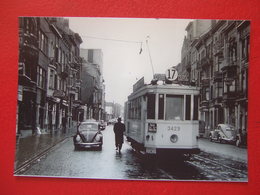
121,40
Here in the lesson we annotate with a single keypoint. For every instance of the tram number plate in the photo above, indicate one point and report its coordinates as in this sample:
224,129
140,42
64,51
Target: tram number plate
174,128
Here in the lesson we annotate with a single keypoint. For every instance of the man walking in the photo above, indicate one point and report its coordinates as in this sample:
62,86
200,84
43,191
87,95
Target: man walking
119,129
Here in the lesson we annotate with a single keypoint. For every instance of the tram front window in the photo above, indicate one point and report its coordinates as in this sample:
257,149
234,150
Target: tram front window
174,107
151,106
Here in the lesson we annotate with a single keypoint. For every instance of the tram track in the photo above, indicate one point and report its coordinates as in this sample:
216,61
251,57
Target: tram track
217,170
27,164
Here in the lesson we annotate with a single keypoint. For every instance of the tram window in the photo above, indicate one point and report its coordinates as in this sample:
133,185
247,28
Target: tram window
174,107
196,107
151,106
188,107
161,107
134,109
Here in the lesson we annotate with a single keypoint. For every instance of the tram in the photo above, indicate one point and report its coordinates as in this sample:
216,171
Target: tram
163,118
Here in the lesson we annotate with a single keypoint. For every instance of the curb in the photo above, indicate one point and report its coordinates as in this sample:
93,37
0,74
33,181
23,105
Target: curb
25,165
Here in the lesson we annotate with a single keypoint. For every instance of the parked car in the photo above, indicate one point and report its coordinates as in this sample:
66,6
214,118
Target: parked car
223,133
111,122
88,136
202,126
102,125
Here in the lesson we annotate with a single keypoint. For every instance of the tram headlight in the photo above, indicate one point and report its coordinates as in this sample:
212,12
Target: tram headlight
174,138
152,127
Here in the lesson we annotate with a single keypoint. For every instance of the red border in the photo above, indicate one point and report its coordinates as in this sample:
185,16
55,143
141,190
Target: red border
207,9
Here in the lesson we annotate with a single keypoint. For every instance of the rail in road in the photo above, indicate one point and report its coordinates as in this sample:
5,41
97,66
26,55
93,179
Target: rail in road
28,163
134,165
218,169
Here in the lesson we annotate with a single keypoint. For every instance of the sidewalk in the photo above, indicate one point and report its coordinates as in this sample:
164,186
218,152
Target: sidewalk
225,150
29,146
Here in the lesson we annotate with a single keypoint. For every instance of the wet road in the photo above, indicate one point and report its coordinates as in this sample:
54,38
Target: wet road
64,161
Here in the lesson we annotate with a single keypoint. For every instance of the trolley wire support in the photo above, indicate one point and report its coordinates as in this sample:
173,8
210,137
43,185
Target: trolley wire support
148,48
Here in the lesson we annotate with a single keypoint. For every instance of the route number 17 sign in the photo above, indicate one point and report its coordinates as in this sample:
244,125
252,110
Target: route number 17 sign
171,74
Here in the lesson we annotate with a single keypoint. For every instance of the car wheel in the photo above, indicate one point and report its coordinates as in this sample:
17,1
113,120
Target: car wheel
220,139
238,142
210,137
76,147
100,147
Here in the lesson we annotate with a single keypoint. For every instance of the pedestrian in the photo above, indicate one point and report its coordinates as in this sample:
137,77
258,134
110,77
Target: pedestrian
64,124
119,129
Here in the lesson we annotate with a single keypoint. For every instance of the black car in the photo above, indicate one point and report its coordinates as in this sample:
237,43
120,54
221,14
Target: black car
88,136
102,125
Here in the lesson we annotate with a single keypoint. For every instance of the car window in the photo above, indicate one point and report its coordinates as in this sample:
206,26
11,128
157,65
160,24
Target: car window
230,128
88,127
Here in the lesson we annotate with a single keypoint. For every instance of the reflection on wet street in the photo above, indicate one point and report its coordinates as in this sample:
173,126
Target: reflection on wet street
64,161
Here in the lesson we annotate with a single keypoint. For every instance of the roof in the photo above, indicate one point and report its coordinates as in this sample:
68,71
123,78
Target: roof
89,121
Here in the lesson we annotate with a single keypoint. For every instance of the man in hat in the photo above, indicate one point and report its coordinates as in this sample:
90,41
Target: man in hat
119,129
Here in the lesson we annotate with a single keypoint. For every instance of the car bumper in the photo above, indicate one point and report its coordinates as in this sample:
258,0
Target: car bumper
229,140
88,145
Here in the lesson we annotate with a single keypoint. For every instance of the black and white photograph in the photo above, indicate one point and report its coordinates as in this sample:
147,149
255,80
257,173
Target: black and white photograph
132,99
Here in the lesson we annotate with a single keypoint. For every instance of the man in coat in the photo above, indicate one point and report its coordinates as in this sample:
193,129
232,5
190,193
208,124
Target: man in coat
119,129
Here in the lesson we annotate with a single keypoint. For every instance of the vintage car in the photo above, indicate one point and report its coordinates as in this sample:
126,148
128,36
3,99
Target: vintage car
102,125
88,135
223,133
241,138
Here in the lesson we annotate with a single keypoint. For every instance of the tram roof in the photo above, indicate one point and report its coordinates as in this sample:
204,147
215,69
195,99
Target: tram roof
162,88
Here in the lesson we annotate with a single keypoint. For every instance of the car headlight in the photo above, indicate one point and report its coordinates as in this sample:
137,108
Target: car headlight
77,138
98,137
174,138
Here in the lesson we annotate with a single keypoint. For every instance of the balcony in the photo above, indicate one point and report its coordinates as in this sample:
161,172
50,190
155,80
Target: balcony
229,64
231,95
78,83
242,94
28,43
64,73
218,48
205,61
204,105
205,82
59,94
218,77
217,102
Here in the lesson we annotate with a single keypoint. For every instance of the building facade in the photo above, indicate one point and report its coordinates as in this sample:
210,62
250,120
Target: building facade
92,87
49,74
217,60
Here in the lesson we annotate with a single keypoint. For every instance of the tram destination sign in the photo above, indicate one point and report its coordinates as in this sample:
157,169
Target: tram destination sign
160,77
138,84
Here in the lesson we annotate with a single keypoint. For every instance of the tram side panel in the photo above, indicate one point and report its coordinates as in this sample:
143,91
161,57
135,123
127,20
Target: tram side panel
134,131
